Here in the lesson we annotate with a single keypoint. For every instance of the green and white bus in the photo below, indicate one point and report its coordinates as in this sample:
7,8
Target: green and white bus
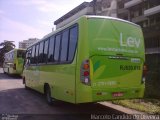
13,61
93,58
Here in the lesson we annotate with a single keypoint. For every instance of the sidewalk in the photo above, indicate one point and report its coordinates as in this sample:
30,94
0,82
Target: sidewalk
122,109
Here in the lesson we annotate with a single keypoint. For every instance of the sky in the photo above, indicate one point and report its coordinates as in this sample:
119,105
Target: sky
24,19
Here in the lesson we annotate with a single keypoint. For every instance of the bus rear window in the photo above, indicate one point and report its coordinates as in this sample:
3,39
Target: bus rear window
20,53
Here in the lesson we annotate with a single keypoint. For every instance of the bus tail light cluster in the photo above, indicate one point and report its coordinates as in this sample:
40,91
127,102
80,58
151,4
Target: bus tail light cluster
14,66
85,72
144,73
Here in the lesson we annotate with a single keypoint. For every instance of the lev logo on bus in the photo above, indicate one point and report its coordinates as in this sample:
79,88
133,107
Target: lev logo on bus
129,42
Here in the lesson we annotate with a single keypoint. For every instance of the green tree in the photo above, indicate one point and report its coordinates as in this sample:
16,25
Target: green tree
5,47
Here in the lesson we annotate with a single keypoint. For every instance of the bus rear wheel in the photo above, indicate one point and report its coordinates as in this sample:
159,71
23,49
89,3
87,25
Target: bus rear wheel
24,82
48,95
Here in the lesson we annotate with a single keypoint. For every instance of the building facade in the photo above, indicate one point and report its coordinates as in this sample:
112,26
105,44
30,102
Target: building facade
105,7
25,43
95,7
86,8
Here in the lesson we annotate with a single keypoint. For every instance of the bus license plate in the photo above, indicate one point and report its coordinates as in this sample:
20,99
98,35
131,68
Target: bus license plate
117,94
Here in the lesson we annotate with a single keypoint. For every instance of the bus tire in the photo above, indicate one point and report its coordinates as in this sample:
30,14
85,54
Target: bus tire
24,82
26,87
48,95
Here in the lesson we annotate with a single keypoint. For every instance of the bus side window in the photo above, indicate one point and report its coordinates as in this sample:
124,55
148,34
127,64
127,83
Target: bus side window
64,46
23,55
57,48
45,51
40,56
28,56
72,42
32,55
36,55
51,49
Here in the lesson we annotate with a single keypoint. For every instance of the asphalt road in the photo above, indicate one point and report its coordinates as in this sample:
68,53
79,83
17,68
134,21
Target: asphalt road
19,103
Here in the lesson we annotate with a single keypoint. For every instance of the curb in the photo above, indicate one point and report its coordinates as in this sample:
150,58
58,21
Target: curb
122,109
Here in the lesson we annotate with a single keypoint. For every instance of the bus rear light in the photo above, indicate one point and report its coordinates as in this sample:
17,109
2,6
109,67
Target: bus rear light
14,66
86,66
86,80
85,72
99,93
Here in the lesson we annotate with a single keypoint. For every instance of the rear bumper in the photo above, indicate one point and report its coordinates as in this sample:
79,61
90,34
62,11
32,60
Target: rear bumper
128,93
97,95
